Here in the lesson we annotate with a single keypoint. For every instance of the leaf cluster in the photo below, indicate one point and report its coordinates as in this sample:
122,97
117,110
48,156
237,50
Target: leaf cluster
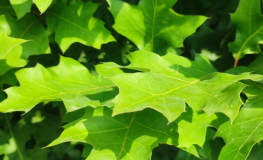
131,79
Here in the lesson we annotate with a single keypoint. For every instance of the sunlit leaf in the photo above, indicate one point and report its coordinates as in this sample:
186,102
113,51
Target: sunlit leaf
69,82
10,53
168,86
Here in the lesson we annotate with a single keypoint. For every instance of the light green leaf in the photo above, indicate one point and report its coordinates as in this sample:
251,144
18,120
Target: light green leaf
10,53
192,127
242,134
153,25
167,87
21,7
69,81
75,23
42,5
249,28
28,28
127,136
248,124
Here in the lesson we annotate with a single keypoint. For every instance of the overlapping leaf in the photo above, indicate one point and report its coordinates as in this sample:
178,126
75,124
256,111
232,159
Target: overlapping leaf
153,25
248,122
249,28
13,140
22,7
28,28
75,23
10,53
240,136
127,136
192,127
69,81
168,86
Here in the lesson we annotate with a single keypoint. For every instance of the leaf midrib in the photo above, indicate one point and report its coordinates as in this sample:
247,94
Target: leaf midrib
44,97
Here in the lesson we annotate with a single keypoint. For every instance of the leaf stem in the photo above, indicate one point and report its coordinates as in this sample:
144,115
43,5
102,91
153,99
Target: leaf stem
236,60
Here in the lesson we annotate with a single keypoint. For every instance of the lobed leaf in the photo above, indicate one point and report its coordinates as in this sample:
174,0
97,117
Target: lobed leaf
28,28
69,81
127,136
192,127
153,25
167,87
75,23
249,28
10,53
22,7
242,134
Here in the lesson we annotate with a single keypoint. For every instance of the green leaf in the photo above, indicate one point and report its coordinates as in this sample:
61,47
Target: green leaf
127,136
10,53
6,8
21,7
192,128
14,138
28,28
242,134
69,81
249,27
75,23
153,25
42,5
167,87
248,124
8,78
256,152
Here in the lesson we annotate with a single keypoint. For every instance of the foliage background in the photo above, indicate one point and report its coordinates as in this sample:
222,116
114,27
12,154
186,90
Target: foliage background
35,35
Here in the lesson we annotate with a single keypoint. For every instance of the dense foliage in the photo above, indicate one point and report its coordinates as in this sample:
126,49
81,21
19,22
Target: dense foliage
131,79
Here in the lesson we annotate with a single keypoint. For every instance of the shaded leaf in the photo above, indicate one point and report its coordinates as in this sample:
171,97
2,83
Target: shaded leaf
28,28
14,138
249,28
132,136
153,25
78,19
6,8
